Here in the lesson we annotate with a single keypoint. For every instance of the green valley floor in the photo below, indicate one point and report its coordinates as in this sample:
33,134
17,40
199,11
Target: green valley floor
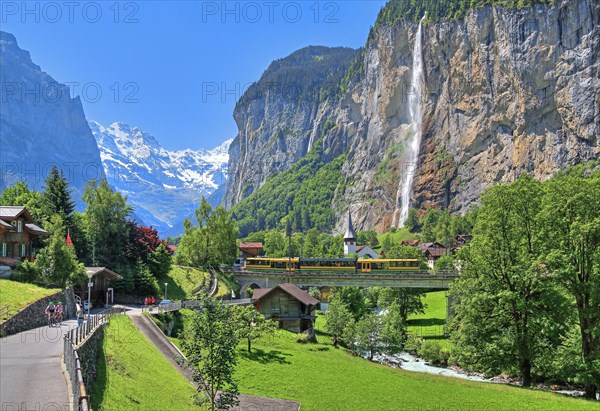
322,377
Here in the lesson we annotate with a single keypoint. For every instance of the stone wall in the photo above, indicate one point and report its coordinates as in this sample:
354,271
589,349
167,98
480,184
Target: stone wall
88,356
33,315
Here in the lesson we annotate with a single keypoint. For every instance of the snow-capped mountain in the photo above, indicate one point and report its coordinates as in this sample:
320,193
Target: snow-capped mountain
164,186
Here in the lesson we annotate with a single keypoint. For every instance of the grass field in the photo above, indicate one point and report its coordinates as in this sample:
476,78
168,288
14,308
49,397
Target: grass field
183,281
430,325
20,295
397,237
133,375
324,378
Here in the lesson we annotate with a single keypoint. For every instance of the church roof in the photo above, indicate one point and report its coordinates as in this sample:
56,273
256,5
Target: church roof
350,234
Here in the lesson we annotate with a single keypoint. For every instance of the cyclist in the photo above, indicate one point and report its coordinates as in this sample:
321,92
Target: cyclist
59,312
50,310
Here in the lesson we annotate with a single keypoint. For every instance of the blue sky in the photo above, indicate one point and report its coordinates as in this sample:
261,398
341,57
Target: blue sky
176,68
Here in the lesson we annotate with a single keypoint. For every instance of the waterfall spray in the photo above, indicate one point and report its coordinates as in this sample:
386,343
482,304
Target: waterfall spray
412,150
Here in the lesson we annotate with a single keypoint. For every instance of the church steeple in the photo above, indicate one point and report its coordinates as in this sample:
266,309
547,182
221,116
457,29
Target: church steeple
349,237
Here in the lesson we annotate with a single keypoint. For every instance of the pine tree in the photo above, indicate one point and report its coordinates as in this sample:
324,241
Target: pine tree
57,195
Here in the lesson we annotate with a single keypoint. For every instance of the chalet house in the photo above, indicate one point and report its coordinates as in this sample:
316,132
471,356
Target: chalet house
410,243
17,233
462,239
249,250
288,304
432,251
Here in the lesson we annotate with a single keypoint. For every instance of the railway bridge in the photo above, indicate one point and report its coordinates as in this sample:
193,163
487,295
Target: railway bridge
412,279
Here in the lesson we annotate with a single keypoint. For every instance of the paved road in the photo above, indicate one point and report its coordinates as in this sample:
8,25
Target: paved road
156,337
31,376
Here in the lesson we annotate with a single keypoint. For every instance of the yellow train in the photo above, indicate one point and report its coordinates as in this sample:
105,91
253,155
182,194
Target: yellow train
365,265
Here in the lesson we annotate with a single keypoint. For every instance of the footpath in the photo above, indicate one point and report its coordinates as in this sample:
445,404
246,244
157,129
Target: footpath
166,347
31,370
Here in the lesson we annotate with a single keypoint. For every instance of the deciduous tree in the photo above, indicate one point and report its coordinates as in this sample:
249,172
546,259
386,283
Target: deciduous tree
57,261
338,318
507,316
571,232
210,344
252,325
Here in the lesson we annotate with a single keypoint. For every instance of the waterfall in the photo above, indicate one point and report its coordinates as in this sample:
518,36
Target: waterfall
412,148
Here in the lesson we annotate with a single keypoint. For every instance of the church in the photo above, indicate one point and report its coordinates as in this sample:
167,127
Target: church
351,248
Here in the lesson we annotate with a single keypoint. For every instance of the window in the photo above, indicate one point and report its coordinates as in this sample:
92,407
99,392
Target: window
3,250
23,250
19,226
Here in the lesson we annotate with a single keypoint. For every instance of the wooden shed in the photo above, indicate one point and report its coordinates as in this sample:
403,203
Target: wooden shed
102,293
292,307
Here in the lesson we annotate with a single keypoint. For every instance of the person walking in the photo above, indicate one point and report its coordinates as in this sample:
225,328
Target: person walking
80,315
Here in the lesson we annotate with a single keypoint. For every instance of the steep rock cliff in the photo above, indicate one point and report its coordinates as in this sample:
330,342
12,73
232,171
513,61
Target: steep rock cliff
276,117
41,125
504,91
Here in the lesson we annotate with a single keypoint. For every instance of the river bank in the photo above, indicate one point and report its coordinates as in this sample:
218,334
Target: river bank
409,362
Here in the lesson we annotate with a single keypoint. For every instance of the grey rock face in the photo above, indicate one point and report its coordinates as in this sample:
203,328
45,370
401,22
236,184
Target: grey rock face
41,125
278,117
504,92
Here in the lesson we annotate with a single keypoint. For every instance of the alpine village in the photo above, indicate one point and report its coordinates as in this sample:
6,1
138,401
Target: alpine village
405,218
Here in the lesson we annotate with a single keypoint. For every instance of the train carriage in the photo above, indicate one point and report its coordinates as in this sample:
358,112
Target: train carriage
380,266
272,264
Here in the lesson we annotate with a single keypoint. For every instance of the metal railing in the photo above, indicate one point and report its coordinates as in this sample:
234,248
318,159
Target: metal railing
72,341
174,306
162,308
4,311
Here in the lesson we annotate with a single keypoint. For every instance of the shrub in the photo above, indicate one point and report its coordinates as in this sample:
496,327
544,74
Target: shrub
434,353
413,343
26,272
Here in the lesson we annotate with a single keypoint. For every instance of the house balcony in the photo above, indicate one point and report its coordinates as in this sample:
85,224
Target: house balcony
276,313
12,238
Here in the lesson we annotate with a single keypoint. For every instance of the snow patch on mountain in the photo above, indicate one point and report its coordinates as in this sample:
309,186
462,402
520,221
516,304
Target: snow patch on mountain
164,186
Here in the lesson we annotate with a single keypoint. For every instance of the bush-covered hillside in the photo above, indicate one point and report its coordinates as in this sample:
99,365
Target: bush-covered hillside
303,193
302,75
414,10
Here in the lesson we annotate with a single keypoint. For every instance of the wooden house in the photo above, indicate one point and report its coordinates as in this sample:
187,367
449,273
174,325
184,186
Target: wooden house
292,307
17,234
250,250
432,252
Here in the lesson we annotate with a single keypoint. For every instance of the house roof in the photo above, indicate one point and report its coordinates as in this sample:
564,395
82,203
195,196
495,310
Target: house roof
290,289
463,238
94,271
250,245
435,252
10,213
426,246
410,242
433,249
34,229
7,226
350,234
